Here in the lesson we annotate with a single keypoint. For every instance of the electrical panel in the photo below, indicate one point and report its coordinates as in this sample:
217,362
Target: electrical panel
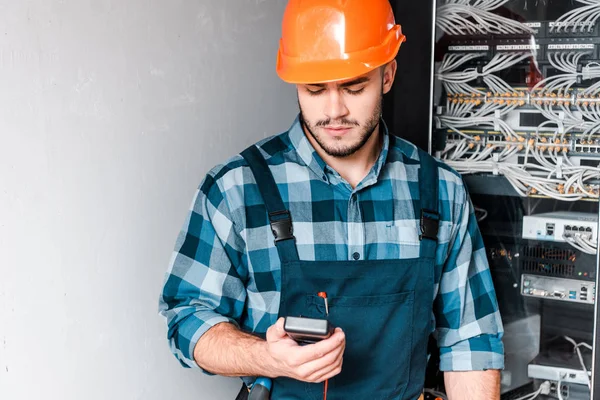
516,111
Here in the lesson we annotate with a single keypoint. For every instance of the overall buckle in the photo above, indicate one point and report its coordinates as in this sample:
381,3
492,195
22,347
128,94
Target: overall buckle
430,225
281,225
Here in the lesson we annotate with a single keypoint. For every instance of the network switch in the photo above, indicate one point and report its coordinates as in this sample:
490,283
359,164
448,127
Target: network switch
560,366
561,226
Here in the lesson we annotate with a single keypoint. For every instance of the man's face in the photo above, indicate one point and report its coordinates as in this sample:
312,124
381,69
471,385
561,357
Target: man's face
341,116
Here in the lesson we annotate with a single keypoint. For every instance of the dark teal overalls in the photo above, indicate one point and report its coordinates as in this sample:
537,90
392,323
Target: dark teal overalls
383,306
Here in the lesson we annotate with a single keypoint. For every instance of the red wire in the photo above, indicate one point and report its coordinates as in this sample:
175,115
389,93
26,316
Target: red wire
324,296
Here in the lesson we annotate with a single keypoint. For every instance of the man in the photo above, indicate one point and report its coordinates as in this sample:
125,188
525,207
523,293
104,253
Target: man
336,205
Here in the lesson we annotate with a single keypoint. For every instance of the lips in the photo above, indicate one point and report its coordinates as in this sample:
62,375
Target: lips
337,130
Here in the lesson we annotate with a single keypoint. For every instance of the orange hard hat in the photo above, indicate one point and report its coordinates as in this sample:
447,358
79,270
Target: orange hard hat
331,40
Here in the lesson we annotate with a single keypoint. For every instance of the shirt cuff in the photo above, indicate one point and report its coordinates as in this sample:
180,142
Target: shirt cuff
479,353
193,328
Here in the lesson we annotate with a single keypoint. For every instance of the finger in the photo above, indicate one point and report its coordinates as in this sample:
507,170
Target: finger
318,350
334,372
276,331
331,371
325,366
315,369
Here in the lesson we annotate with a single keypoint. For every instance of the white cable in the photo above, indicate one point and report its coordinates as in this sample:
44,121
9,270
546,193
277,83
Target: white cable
581,17
568,63
584,345
553,174
483,212
584,244
520,176
461,17
456,82
559,387
531,396
583,366
578,245
452,61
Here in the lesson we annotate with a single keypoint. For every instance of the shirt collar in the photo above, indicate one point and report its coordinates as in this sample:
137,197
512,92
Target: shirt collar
311,158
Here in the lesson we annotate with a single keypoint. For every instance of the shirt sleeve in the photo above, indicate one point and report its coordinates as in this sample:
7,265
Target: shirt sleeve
202,286
468,325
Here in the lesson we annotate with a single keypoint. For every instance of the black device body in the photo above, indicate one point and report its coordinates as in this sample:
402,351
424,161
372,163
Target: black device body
307,330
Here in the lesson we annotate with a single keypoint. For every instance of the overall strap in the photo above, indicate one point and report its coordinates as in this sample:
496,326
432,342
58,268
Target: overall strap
280,218
429,213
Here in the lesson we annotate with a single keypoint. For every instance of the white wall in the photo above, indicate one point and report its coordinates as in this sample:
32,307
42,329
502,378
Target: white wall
111,112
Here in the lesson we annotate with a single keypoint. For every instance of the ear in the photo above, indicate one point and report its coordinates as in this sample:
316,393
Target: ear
389,74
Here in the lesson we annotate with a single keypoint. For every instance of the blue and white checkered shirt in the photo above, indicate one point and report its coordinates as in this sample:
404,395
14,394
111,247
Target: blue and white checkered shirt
225,266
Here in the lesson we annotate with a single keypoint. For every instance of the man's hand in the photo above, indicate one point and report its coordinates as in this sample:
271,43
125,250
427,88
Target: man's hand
226,350
311,363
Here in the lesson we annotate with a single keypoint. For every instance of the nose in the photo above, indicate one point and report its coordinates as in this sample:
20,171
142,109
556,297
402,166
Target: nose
335,107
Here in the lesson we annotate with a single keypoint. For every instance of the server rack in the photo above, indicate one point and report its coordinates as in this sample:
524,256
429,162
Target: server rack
514,106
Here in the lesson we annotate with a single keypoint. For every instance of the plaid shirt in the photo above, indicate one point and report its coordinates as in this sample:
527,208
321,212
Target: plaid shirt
225,266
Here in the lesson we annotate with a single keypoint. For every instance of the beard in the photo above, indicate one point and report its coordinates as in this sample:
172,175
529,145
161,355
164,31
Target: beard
339,149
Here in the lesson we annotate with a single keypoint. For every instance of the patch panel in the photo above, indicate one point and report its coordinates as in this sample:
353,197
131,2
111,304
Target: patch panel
540,48
572,98
572,29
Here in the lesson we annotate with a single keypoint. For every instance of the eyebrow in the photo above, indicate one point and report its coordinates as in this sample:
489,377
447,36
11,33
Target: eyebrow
356,81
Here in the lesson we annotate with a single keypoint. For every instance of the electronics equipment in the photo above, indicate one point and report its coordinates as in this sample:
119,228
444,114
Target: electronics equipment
556,226
570,290
556,260
569,391
307,330
560,366
521,90
517,103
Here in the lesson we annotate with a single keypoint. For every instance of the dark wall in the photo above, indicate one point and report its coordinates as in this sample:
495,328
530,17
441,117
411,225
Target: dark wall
407,106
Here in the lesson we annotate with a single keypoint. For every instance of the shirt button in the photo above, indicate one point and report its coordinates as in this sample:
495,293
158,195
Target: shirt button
356,256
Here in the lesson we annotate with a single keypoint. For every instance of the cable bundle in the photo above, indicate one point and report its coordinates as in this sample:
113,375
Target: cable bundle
582,18
543,166
581,242
591,71
558,90
529,178
562,83
457,82
464,17
543,389
576,349
546,169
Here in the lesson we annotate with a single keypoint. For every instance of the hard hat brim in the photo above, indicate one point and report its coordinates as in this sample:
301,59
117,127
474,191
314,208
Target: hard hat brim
302,71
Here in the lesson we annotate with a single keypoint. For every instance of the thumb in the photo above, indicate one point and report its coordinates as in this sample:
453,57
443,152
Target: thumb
276,331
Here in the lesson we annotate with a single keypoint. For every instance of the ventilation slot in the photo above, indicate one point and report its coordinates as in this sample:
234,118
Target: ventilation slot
541,253
551,261
548,269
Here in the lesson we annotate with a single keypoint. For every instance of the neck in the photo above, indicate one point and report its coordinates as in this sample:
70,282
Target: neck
355,167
